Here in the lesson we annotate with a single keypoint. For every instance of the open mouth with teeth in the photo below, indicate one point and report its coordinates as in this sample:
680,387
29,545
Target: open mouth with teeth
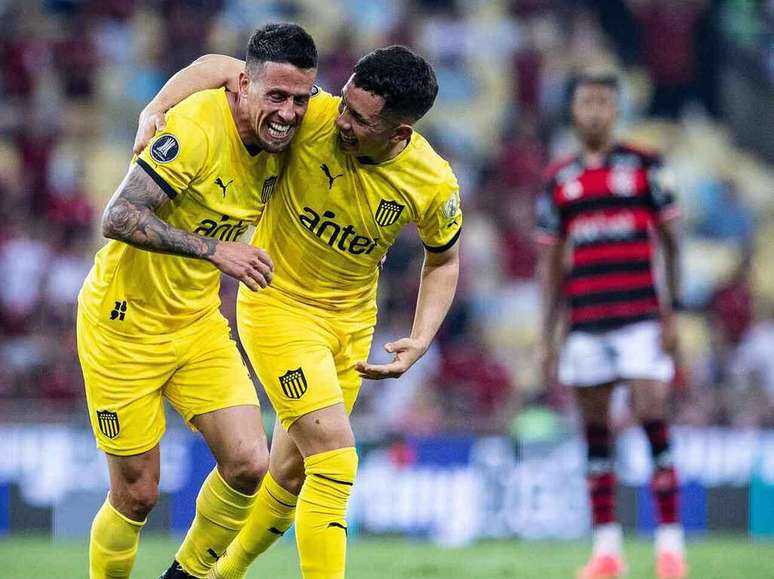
279,131
347,141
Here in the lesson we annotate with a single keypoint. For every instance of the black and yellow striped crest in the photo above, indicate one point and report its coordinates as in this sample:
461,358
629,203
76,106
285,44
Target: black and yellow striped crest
388,212
293,383
108,423
268,188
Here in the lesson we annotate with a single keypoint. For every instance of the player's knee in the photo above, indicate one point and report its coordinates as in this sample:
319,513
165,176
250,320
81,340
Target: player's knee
245,472
136,500
290,476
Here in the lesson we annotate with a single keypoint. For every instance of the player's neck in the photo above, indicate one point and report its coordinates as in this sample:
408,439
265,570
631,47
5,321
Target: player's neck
390,153
594,154
238,109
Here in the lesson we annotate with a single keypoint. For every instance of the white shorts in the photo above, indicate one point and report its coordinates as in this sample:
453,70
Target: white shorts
632,352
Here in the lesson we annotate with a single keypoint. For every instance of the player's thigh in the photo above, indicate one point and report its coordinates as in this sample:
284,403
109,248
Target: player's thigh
211,374
586,360
293,356
356,348
639,354
124,380
322,430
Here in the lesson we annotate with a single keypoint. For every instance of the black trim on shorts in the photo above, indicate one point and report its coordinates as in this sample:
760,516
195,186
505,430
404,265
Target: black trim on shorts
158,179
441,249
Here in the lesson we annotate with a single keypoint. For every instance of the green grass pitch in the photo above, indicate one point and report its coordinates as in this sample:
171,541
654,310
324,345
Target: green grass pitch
717,557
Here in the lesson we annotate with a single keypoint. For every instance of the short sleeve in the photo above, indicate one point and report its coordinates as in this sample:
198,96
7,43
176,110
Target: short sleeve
176,155
548,220
441,223
661,192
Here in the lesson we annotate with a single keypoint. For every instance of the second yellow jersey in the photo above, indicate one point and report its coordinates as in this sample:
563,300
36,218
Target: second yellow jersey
333,217
217,188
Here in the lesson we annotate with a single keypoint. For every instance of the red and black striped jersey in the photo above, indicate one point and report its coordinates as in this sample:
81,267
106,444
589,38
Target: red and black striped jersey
606,214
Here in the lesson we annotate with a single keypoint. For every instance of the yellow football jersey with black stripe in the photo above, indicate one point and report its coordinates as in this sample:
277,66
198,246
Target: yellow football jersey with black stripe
333,217
217,188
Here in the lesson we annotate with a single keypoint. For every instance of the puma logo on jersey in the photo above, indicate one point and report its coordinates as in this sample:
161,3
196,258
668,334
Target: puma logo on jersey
219,182
331,178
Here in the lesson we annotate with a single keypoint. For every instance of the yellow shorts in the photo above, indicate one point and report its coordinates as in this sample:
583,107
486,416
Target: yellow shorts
304,360
198,370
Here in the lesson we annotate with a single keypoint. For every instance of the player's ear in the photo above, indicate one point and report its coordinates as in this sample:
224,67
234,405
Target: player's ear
402,133
244,84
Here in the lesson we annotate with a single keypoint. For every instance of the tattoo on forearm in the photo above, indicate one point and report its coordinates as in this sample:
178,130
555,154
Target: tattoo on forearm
130,217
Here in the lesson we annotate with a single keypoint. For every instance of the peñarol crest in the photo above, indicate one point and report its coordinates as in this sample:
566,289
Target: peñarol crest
108,423
388,212
293,383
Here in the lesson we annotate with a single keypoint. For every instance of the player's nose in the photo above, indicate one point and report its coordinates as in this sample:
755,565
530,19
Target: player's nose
287,112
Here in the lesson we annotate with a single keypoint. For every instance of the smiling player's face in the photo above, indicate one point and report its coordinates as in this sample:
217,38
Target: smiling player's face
277,99
363,131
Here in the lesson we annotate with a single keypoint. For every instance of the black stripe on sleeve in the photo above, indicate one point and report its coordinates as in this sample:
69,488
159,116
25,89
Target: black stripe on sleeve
441,249
171,193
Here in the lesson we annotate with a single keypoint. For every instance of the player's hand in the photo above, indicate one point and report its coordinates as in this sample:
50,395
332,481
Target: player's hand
250,265
150,122
406,350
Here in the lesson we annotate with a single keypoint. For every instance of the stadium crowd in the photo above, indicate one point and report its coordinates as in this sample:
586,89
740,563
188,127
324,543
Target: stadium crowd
74,74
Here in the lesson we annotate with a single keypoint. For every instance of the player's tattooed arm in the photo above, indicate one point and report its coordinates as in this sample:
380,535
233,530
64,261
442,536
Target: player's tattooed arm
131,217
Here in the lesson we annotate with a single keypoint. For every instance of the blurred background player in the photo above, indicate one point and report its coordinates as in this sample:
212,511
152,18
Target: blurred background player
149,324
611,208
356,175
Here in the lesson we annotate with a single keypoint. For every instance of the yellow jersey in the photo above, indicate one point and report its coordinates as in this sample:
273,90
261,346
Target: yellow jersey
333,217
217,188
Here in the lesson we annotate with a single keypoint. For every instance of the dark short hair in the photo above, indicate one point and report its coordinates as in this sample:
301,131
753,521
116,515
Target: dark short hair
283,43
402,78
608,80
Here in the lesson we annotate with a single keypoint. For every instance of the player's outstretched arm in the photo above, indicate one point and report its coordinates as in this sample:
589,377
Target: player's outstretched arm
436,292
208,71
130,216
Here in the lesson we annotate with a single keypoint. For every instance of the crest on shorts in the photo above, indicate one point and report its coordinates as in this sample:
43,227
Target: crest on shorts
108,423
388,212
268,188
293,383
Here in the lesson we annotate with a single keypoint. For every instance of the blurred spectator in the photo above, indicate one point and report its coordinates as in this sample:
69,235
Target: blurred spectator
669,46
724,215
